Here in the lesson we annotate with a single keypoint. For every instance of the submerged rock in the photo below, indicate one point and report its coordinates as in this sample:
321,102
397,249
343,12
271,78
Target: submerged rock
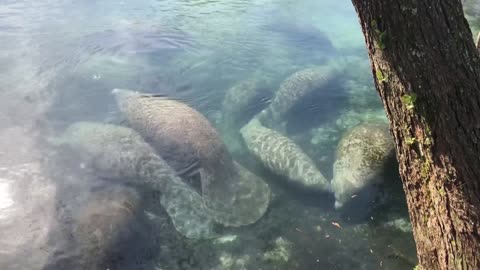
188,142
282,156
360,158
117,151
294,89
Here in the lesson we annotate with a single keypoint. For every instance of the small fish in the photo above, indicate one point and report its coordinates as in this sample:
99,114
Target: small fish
336,225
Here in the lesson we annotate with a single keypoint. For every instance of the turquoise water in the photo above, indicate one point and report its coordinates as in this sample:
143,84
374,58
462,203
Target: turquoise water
60,60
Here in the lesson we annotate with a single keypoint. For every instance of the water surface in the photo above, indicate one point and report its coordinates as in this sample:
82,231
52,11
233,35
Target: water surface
60,60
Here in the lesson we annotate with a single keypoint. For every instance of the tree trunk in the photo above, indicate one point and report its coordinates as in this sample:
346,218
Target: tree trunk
426,69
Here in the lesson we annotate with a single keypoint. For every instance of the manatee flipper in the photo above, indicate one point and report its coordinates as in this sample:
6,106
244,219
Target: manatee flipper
241,200
188,213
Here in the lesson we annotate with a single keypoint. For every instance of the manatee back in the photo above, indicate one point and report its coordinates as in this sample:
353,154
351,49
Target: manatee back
282,156
361,155
112,151
104,229
180,134
296,87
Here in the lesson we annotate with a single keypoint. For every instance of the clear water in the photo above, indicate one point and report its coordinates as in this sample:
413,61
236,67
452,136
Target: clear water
59,61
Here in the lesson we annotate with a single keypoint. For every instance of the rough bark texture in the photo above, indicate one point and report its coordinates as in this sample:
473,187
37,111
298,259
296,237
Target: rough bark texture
426,69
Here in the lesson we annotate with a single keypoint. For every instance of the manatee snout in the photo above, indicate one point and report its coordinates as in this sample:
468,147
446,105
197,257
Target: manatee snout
120,93
342,189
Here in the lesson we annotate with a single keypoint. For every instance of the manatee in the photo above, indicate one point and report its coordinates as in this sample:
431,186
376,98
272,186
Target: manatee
250,199
182,136
360,157
241,102
243,98
282,156
121,152
103,230
112,151
42,227
293,89
187,141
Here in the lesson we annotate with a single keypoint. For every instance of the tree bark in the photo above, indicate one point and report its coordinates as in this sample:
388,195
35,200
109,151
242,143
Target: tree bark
427,72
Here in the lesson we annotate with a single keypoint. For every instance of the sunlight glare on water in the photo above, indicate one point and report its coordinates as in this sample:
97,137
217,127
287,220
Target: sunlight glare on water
5,198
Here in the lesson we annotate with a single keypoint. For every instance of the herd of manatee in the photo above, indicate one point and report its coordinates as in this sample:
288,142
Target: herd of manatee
165,145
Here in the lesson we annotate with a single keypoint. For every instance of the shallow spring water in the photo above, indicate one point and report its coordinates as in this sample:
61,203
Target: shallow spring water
60,60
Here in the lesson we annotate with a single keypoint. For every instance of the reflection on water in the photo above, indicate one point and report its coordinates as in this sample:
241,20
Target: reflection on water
6,200
257,106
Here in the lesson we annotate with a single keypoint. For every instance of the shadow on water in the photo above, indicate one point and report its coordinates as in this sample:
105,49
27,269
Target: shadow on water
307,198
